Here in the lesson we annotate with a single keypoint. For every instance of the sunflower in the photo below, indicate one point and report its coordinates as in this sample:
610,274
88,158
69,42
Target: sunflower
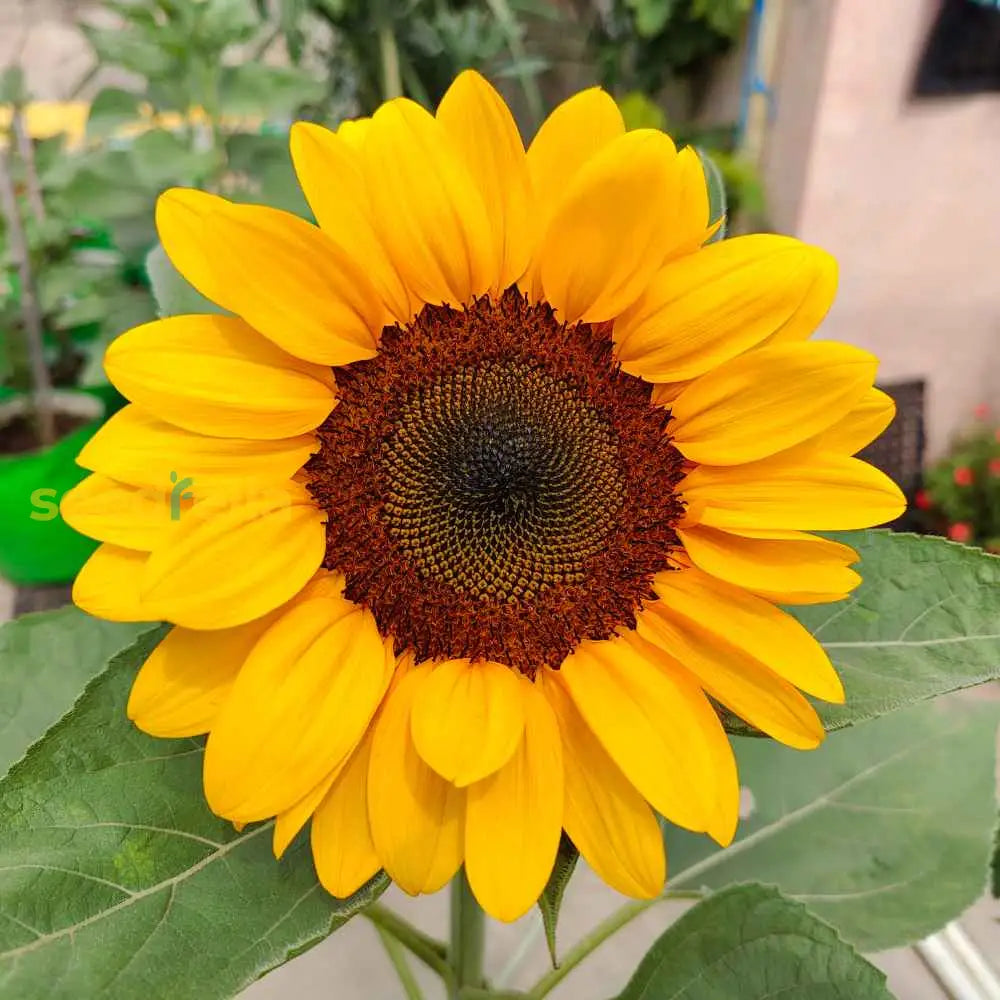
476,505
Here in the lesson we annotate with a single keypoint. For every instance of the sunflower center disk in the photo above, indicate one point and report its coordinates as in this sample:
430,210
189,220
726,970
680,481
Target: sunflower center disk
502,481
495,487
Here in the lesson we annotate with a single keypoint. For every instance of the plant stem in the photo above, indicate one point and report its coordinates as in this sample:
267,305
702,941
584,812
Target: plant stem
31,317
430,952
468,936
398,958
623,916
26,151
392,83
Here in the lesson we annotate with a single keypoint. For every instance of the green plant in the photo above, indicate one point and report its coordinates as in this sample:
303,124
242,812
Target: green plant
647,45
381,49
961,494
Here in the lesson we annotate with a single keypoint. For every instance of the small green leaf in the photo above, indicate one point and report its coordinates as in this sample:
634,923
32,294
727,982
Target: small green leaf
116,880
110,110
716,195
749,943
174,296
884,830
551,898
45,661
255,88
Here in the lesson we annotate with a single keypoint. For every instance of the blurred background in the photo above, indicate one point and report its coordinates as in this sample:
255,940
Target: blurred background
869,127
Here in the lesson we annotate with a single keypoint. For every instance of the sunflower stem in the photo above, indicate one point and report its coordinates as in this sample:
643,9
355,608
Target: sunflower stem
431,952
608,927
468,937
398,958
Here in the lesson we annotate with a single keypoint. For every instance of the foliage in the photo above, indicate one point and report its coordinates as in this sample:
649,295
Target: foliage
376,50
748,942
111,864
961,494
647,44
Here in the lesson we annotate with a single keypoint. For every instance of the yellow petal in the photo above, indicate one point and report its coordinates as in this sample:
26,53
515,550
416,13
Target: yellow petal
467,719
864,423
354,130
753,625
567,139
769,400
342,846
600,249
129,516
800,596
603,814
794,562
329,171
216,375
739,681
416,817
299,706
429,214
684,228
805,321
181,687
293,284
707,307
514,817
819,491
486,139
139,450
625,699
180,216
108,586
287,824
234,558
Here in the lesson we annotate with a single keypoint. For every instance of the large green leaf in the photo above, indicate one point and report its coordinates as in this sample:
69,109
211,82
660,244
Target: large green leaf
117,882
925,621
45,661
749,943
884,830
110,110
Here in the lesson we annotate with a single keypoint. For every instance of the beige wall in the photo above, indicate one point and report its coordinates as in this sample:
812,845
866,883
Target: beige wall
906,193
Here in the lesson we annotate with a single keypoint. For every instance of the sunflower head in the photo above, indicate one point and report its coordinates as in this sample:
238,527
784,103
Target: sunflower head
494,481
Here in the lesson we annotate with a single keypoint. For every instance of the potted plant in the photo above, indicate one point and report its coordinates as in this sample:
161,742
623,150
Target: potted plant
59,297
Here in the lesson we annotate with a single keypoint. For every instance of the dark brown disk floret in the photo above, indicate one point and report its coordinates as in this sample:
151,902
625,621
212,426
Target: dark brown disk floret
496,488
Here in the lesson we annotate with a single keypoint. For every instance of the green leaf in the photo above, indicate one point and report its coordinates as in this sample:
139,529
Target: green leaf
110,110
884,830
174,296
116,881
925,621
749,943
162,158
716,195
551,898
255,88
45,661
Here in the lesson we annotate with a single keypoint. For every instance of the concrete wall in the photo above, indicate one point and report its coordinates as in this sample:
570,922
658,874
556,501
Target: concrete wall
906,193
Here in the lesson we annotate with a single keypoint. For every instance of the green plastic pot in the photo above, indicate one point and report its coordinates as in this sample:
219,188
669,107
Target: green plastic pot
36,545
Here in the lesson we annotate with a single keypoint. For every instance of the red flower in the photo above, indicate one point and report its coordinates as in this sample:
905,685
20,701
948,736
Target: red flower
982,411
963,475
923,500
959,531
995,466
